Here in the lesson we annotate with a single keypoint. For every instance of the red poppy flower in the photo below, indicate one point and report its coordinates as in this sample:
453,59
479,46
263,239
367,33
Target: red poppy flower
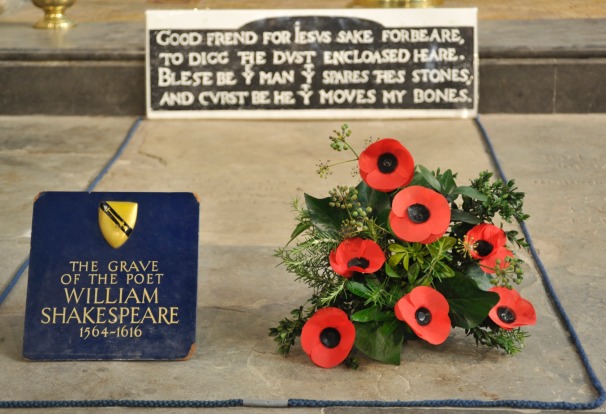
425,310
512,310
419,214
327,337
386,165
356,255
486,242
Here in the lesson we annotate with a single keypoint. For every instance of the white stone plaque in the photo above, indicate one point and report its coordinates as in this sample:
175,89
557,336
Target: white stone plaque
363,63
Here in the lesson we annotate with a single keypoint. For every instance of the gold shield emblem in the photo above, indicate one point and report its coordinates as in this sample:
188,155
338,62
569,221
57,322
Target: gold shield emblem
117,220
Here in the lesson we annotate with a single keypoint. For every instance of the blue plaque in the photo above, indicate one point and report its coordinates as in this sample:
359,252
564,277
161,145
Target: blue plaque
112,276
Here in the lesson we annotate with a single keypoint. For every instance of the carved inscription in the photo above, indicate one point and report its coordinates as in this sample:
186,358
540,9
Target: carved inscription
90,300
311,62
111,299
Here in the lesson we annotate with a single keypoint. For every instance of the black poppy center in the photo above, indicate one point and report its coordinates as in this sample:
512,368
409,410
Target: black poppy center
418,213
483,248
360,262
506,314
330,337
387,163
423,316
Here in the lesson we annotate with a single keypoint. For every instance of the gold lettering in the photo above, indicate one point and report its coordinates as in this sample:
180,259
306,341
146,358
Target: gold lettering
123,313
101,296
144,278
86,318
132,294
149,314
71,294
112,266
72,315
101,315
46,319
162,315
134,314
55,314
113,315
174,314
150,299
103,278
80,266
133,266
107,295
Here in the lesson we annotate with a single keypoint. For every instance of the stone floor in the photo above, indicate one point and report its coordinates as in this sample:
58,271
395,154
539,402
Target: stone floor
246,174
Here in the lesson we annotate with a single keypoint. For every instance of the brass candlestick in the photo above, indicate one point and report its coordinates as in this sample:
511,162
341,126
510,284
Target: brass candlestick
54,17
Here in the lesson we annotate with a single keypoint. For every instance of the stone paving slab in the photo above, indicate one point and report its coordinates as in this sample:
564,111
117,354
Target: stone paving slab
246,174
559,162
46,153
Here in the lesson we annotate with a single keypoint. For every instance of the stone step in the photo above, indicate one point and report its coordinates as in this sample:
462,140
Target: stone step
526,66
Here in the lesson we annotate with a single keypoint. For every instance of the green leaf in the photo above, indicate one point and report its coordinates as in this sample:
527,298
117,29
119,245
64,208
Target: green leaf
372,314
470,192
447,182
482,279
358,289
413,273
396,248
406,261
324,217
465,217
301,227
443,271
394,259
448,242
439,248
469,305
389,271
377,200
381,341
430,178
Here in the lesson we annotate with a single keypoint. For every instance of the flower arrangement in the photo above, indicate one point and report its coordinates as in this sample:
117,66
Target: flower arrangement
406,254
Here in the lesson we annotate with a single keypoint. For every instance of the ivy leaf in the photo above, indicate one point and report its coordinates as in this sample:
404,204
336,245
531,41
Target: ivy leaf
465,217
481,278
469,305
377,200
381,341
372,314
324,217
470,192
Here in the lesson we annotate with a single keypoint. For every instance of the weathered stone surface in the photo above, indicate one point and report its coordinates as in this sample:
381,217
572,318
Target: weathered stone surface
44,154
558,162
98,68
246,173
